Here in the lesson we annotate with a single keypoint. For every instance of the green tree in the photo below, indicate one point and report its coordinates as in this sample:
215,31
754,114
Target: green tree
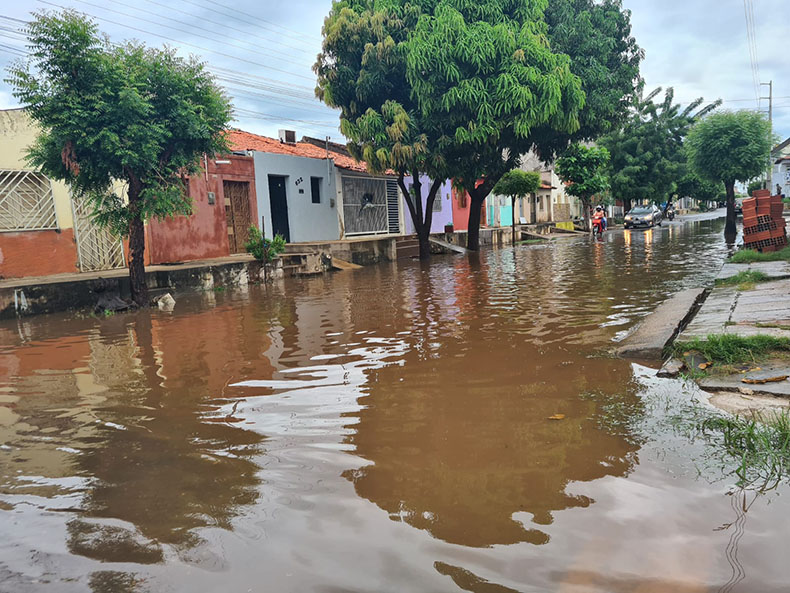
461,90
362,71
703,190
111,114
583,169
647,158
729,147
517,184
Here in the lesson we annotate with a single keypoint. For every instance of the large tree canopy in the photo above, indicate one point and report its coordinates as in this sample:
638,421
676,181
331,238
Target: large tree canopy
647,157
118,113
728,147
458,89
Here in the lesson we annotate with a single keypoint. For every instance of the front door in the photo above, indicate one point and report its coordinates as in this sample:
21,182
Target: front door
237,214
533,215
279,205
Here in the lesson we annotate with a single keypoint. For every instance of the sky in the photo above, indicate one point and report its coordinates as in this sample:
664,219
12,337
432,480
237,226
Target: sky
262,51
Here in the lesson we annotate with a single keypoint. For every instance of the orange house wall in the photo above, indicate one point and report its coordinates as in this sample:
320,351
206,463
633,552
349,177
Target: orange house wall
37,253
204,234
461,212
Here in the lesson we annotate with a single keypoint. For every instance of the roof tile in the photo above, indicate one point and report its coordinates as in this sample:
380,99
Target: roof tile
241,140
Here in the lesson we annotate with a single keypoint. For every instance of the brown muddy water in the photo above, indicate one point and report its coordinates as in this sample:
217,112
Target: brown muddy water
384,430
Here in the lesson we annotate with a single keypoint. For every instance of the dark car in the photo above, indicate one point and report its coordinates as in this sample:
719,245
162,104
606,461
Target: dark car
643,216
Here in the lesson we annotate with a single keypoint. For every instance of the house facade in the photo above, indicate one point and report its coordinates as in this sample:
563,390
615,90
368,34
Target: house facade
780,172
224,206
442,205
309,193
44,230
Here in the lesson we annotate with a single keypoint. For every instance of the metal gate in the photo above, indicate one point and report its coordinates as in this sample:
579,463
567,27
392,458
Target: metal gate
97,247
365,205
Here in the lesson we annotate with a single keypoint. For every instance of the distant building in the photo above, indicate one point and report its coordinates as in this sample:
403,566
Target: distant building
780,174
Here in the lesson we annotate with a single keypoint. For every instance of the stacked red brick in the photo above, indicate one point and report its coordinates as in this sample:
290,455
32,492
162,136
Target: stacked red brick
764,226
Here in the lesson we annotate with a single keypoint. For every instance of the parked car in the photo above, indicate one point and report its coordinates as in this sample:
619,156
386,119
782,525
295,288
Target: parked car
738,207
643,216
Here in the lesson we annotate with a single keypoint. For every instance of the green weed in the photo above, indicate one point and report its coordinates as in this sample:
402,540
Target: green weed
760,444
732,349
749,256
744,278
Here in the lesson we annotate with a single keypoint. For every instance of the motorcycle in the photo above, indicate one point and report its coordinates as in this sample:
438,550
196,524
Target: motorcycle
671,214
597,227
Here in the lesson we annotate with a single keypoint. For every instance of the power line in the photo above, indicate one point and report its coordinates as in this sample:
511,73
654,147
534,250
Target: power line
159,35
278,41
751,39
271,84
287,57
247,22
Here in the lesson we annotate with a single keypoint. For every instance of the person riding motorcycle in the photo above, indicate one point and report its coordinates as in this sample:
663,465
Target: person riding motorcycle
599,219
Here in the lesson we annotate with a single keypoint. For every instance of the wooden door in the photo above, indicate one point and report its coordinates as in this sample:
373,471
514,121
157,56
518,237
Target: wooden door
237,213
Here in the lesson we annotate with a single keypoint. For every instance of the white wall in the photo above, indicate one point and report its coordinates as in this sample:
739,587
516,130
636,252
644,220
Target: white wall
306,221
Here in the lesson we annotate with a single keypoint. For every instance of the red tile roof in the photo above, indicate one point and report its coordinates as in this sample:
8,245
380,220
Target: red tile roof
241,140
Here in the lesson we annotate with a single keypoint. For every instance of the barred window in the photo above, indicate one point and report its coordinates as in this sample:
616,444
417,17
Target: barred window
26,201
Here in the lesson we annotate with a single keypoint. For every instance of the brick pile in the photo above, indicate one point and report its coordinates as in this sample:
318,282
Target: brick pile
764,226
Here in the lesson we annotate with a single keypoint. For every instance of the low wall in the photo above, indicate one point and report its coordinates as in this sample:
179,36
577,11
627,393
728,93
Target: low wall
87,292
363,252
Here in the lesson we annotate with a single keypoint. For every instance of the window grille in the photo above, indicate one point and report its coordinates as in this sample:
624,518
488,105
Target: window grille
437,202
26,201
393,212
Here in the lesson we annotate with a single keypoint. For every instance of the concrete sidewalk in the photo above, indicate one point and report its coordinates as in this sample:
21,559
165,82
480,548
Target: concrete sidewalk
763,310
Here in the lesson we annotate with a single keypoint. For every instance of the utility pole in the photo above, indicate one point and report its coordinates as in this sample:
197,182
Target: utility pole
770,97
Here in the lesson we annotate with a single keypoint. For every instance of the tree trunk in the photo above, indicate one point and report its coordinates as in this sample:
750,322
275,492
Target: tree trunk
729,227
414,205
137,285
586,213
473,231
513,216
626,205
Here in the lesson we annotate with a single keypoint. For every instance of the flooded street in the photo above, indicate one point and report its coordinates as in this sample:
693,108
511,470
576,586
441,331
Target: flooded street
456,426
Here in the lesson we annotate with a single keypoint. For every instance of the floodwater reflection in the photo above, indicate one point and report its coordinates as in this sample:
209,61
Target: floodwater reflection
405,427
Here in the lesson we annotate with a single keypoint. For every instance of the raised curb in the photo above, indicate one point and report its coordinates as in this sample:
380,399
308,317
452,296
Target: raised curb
657,330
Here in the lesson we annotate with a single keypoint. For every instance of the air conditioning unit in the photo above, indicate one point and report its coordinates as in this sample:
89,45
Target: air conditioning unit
287,136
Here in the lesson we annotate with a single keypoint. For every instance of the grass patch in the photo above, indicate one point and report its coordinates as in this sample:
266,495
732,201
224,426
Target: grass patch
732,349
744,280
750,256
761,445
